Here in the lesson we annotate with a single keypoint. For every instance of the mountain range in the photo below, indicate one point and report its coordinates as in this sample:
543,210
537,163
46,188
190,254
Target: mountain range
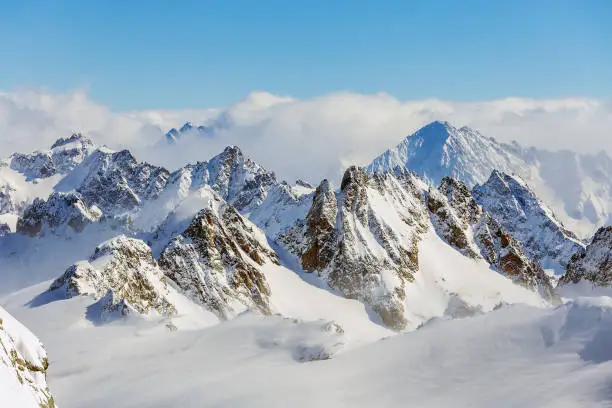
449,224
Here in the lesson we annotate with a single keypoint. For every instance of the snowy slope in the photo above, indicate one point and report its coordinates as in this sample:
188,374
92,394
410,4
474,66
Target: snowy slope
576,186
219,285
514,356
23,367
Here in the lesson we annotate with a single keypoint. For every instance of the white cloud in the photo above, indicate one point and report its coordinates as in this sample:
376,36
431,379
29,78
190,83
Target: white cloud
310,138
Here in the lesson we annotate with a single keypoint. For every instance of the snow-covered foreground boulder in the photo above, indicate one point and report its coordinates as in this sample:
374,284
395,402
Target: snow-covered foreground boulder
23,367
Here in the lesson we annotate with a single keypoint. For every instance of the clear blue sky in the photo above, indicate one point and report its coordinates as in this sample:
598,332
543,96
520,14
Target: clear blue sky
137,54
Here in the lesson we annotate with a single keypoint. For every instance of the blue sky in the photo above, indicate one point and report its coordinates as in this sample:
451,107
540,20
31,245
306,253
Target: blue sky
163,54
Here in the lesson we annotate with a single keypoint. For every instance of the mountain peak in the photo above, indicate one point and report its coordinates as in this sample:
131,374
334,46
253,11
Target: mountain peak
232,149
186,127
353,174
174,134
74,138
437,124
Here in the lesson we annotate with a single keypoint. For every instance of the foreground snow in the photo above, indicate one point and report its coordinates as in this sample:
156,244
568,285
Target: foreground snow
23,365
514,356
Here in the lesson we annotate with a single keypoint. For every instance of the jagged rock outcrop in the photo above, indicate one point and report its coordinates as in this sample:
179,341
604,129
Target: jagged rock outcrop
515,206
593,263
23,367
60,210
123,277
239,180
233,178
142,194
217,262
459,219
24,177
65,154
114,181
320,233
354,242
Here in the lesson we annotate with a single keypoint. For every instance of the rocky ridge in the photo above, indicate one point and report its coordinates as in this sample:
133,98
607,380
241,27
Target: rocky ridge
217,262
466,226
59,211
123,277
593,263
516,207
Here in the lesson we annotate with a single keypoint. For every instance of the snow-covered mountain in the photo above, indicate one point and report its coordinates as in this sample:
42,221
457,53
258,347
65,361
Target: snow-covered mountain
122,278
367,242
114,248
60,210
174,134
577,187
24,177
593,264
363,240
465,225
23,367
516,207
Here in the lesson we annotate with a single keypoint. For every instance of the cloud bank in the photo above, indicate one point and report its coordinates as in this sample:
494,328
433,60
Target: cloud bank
308,138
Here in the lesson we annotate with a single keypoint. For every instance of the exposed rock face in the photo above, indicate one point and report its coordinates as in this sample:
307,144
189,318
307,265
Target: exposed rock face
239,180
354,243
454,211
114,181
123,276
515,207
594,263
236,178
320,231
23,176
66,210
459,219
233,178
217,262
128,190
23,367
64,155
